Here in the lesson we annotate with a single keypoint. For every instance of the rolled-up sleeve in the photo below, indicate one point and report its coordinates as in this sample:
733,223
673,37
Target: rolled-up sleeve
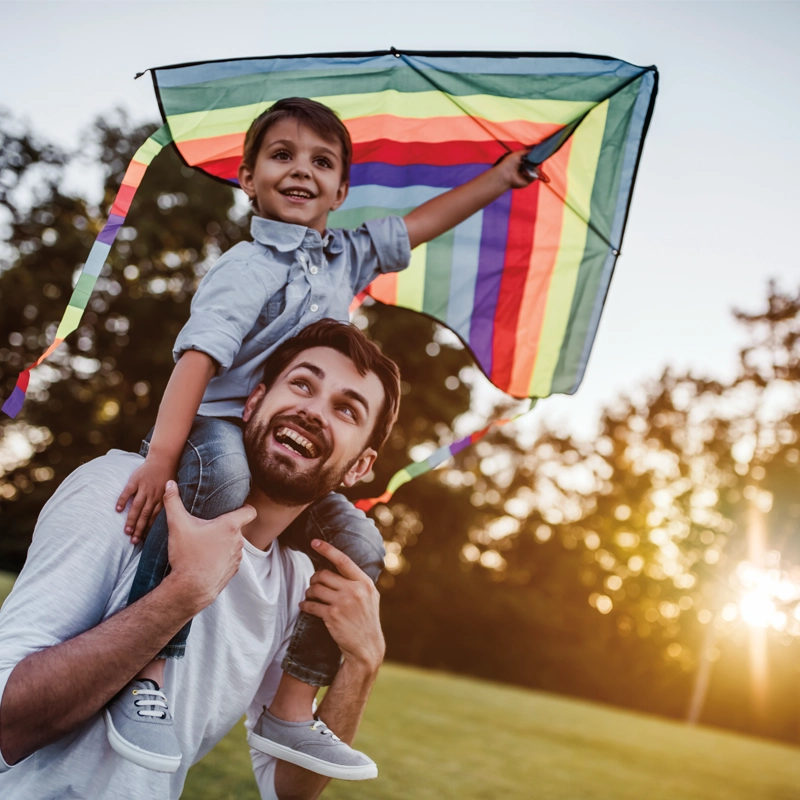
225,308
377,247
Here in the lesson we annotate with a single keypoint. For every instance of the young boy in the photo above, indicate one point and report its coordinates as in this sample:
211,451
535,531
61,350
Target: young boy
295,170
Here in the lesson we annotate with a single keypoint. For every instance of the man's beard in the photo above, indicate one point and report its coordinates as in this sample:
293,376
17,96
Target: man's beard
277,475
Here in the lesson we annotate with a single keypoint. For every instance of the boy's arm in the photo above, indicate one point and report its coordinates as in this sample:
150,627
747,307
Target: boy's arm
444,212
177,411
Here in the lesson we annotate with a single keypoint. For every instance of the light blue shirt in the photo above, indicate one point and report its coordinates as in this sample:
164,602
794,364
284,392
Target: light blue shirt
262,292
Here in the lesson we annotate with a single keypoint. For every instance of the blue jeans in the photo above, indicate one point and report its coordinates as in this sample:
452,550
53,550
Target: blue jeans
213,479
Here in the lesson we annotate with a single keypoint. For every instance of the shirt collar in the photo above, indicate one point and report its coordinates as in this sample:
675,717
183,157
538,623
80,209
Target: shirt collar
284,236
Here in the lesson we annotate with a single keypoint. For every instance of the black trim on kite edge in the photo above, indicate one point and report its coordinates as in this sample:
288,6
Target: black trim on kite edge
392,51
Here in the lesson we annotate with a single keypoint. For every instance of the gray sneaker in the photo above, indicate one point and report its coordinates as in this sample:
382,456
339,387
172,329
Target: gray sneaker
139,727
311,745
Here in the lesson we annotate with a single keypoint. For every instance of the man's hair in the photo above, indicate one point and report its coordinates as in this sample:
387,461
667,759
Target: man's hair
365,355
321,119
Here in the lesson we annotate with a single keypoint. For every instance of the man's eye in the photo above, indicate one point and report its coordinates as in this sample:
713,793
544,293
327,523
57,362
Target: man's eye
301,384
349,411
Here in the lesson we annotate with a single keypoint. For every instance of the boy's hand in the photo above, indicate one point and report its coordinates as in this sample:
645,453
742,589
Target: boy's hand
348,605
516,172
146,486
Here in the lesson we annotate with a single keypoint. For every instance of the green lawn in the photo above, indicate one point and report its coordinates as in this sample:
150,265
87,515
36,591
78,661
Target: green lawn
437,737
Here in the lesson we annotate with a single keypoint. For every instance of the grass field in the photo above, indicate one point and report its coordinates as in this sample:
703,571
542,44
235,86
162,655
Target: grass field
437,737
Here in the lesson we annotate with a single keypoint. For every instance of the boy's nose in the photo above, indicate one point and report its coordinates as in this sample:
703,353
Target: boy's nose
301,171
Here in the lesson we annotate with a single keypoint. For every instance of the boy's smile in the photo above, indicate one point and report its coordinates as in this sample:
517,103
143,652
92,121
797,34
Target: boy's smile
297,176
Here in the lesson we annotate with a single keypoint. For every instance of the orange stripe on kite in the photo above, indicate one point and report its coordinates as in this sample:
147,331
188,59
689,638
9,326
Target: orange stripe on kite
215,148
384,288
547,235
446,129
134,174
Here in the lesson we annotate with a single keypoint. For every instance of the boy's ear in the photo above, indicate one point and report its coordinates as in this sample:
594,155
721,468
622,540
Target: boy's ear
245,176
341,195
360,468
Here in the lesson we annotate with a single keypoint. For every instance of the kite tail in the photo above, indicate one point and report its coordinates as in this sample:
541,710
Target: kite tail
417,468
97,257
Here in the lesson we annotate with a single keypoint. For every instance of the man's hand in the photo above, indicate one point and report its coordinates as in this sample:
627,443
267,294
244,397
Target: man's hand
204,554
348,604
145,486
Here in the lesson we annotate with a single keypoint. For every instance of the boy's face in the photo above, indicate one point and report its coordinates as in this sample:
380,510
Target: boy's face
308,433
297,176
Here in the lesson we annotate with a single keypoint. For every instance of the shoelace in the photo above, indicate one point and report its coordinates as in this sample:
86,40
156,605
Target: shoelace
320,726
159,700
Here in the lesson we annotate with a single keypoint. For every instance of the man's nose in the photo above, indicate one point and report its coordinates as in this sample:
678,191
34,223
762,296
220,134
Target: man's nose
314,410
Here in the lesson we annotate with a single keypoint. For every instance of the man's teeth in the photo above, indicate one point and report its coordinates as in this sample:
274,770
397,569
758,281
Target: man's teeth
288,433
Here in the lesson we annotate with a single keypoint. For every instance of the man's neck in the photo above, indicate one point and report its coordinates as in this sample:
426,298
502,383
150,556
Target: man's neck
271,520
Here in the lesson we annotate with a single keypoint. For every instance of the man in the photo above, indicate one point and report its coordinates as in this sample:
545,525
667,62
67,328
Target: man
66,648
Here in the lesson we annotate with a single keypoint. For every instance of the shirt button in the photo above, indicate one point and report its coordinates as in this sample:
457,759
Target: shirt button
314,270
302,259
314,308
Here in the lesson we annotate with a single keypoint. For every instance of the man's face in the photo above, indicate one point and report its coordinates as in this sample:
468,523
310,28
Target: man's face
308,434
297,176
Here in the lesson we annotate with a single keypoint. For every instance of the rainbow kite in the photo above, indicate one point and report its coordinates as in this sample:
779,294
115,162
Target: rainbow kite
523,282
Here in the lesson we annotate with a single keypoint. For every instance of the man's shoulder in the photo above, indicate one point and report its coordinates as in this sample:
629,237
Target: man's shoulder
105,471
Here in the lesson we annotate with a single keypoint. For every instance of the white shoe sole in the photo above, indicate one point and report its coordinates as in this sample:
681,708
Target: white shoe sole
144,758
364,773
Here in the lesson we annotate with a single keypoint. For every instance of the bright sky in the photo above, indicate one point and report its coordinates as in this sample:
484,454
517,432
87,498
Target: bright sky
715,207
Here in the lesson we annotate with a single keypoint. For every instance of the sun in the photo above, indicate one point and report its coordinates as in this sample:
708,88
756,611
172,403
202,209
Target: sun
757,608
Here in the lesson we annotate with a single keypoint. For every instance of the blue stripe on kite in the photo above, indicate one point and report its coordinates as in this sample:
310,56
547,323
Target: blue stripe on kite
490,275
466,250
97,257
171,78
632,146
528,65
373,196
413,174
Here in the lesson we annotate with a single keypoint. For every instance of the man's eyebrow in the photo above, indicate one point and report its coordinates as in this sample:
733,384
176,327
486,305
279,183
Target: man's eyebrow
312,368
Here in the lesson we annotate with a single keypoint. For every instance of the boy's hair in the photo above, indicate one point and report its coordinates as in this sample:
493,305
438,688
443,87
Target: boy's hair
365,355
321,119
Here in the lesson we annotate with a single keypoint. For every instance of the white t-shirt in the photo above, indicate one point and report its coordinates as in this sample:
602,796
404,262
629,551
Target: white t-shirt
79,571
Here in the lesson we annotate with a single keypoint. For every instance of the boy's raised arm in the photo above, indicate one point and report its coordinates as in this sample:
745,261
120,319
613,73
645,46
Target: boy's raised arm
177,411
444,212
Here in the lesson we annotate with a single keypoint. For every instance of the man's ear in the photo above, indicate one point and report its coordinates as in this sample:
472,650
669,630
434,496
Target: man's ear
341,195
254,401
360,468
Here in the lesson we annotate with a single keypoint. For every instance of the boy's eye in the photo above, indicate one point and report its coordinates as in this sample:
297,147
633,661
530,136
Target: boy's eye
281,155
323,162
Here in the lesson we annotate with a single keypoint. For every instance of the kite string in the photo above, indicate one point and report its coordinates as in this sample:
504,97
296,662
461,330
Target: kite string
417,468
82,292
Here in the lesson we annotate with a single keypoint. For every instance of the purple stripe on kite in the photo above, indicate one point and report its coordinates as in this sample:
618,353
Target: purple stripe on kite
110,229
490,275
413,174
460,445
13,405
